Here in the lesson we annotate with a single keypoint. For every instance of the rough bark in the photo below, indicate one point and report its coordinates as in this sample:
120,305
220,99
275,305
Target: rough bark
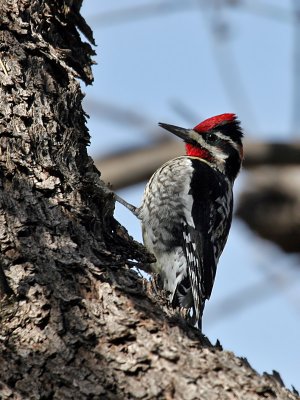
80,324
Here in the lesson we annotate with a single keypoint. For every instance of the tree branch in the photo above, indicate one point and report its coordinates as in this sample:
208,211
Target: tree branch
270,204
134,166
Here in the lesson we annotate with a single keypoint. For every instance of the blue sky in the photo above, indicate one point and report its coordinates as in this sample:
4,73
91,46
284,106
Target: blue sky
149,64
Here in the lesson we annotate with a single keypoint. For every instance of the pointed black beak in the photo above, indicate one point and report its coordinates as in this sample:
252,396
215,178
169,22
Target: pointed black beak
185,134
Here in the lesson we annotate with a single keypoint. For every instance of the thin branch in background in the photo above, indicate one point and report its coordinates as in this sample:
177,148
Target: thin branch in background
185,112
267,10
273,283
226,63
283,278
130,14
239,300
116,113
126,117
296,70
149,10
232,81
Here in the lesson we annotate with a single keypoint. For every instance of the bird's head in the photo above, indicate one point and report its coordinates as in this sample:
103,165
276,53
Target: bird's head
217,140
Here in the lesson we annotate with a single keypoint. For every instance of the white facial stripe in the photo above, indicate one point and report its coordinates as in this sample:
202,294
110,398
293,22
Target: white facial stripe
194,135
214,149
228,139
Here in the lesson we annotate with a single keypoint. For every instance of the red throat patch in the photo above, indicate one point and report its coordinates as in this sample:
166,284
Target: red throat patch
195,151
212,122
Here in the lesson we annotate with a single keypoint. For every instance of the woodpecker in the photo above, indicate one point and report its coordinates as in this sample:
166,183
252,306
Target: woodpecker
186,211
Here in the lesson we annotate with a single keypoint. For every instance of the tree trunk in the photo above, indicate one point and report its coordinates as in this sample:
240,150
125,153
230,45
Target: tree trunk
79,324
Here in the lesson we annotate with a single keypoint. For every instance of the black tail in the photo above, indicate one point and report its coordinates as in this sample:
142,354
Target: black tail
183,297
196,318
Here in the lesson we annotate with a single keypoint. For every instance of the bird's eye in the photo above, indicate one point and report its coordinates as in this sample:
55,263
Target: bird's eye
211,138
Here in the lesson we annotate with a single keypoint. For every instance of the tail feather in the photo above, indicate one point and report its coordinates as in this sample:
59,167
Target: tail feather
196,318
183,297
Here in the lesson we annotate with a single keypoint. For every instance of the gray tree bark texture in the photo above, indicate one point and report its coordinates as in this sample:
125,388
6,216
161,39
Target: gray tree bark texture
80,324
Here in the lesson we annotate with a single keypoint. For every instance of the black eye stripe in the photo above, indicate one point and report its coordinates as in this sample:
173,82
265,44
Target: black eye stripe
211,137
